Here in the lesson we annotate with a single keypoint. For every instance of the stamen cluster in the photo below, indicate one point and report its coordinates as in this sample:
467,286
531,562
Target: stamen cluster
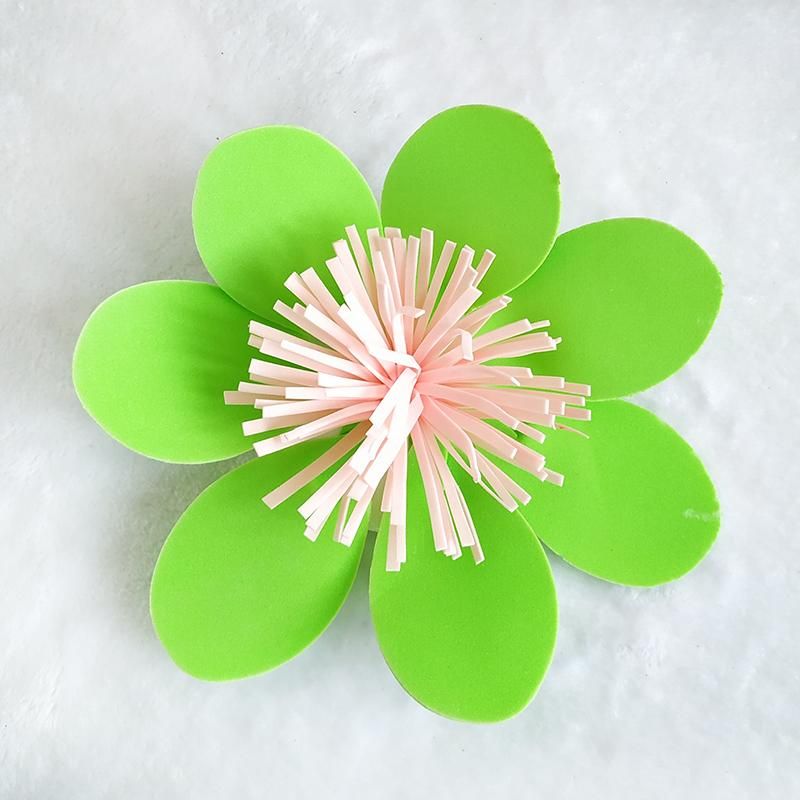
402,360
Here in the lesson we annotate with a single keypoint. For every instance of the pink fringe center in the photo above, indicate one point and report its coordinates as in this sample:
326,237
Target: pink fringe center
403,357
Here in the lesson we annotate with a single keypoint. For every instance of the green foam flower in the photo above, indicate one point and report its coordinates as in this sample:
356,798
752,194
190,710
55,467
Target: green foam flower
237,588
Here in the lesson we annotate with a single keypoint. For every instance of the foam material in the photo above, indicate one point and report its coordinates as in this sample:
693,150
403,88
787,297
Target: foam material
482,175
633,300
237,588
152,362
471,642
268,202
637,506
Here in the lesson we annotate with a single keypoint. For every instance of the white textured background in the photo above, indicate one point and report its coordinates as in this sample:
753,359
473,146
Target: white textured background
686,111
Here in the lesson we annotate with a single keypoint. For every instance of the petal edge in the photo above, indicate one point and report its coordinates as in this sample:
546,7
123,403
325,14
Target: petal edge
470,642
271,201
237,589
482,176
637,506
151,375
632,298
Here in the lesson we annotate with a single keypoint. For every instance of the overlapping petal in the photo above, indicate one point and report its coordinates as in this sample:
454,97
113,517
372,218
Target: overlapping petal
237,588
151,366
468,641
637,506
633,300
269,202
482,175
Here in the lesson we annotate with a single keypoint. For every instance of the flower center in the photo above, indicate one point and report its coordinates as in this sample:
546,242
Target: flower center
402,363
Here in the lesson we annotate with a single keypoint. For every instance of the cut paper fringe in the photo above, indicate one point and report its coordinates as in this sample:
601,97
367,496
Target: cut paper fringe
403,358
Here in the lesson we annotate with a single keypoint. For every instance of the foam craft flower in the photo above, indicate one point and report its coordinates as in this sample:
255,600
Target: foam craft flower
238,589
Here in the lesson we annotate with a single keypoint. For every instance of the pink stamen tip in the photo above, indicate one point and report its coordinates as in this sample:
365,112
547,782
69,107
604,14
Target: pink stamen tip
407,363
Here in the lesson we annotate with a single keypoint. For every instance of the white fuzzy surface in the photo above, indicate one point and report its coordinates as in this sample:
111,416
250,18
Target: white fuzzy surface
687,111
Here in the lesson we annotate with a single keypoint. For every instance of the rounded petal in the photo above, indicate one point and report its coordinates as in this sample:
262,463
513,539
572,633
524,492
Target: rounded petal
637,507
152,363
482,176
633,300
468,641
271,201
238,589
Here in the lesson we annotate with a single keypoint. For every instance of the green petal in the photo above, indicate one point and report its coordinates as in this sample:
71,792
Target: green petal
637,507
481,176
633,300
238,589
468,641
151,366
271,201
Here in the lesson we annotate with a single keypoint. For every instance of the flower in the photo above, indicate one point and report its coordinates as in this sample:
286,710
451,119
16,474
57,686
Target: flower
237,589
